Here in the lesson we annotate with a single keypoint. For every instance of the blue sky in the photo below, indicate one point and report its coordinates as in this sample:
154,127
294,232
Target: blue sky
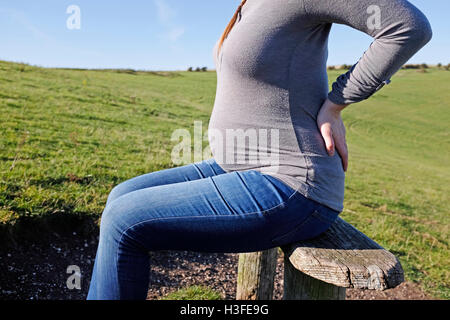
160,34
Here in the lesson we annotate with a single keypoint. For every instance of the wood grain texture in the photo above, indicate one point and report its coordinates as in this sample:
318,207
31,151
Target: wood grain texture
345,257
256,275
299,286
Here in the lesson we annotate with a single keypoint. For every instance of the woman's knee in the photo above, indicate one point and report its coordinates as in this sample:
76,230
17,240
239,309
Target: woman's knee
123,188
130,185
114,219
118,222
117,191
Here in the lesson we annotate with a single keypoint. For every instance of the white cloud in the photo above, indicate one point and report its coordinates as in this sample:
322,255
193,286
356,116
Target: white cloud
23,20
164,11
167,17
175,33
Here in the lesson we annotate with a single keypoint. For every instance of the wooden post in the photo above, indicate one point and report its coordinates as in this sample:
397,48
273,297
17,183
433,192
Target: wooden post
256,275
321,268
299,286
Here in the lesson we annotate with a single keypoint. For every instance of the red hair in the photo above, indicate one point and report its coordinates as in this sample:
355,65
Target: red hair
230,25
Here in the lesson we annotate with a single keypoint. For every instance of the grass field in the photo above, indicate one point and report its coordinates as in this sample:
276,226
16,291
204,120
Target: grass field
69,136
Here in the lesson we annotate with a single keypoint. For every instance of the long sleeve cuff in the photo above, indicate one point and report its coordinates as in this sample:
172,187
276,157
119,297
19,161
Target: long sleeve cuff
343,94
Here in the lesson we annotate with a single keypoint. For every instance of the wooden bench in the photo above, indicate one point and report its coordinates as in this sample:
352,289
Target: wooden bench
320,268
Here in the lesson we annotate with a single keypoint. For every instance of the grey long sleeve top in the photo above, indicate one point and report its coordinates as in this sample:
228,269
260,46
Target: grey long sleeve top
272,81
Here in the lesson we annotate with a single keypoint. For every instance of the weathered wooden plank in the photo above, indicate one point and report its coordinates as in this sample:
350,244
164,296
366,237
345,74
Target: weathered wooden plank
256,275
299,286
345,257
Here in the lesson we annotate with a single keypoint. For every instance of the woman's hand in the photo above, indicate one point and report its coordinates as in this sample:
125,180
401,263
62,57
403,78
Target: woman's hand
332,129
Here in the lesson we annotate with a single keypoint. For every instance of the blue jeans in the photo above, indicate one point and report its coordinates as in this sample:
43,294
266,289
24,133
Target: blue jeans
195,207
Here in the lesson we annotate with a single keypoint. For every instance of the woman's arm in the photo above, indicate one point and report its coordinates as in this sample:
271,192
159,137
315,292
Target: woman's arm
399,30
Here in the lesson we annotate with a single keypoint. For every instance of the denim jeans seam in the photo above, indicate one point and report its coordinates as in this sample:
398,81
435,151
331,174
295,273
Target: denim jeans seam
212,168
323,217
159,219
200,173
203,216
196,216
296,228
214,162
211,163
246,186
222,197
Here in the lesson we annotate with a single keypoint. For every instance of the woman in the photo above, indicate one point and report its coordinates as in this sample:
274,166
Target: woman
271,73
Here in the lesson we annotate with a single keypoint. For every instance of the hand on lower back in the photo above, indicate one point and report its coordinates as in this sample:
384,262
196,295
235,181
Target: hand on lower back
332,128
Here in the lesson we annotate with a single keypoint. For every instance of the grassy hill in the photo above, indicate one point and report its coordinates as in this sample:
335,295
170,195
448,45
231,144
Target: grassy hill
69,136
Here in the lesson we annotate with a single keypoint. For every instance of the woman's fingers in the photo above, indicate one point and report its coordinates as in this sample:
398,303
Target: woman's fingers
332,130
327,135
335,142
341,147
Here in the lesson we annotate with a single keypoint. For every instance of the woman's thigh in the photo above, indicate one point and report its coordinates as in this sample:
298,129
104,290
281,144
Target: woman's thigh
189,172
231,212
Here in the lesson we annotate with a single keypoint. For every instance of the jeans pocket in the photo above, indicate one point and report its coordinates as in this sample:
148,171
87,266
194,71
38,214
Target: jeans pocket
315,224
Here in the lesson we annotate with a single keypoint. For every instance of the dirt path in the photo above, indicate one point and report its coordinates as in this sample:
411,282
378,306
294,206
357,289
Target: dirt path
38,271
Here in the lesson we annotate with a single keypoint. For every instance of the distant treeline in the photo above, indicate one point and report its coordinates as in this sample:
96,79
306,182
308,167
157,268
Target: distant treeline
425,66
406,66
198,69
24,66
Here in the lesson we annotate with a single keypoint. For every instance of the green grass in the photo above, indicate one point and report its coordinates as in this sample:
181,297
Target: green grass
69,136
398,184
194,293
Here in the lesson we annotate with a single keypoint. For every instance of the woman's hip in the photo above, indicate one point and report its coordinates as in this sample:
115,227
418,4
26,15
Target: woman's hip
230,212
